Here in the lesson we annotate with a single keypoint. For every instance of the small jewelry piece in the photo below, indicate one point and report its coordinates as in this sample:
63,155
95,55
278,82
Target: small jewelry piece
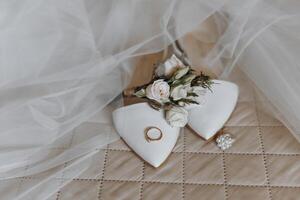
153,133
225,141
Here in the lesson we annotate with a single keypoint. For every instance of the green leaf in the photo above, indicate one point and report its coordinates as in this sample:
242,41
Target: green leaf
180,72
140,93
192,94
189,101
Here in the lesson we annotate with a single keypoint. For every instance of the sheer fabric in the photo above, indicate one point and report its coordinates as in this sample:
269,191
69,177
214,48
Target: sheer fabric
260,38
64,64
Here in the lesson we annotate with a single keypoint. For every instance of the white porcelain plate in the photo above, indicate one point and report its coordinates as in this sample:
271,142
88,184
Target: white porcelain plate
131,123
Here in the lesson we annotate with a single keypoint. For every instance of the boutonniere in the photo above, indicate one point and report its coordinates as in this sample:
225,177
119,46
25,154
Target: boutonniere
173,88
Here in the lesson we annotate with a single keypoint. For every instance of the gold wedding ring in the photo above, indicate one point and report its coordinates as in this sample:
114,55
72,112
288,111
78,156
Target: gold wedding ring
151,138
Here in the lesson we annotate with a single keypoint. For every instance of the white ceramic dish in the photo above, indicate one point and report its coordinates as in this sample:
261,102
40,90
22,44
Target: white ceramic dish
131,122
207,119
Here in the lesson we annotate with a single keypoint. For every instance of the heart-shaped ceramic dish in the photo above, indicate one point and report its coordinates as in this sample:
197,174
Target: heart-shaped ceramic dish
207,119
132,121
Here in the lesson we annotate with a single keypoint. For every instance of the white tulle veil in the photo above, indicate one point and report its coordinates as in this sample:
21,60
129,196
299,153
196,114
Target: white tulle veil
64,64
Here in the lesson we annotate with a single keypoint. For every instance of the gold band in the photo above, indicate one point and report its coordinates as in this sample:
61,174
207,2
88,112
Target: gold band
150,139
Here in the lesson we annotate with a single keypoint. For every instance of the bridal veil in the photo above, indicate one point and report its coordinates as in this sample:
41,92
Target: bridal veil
64,64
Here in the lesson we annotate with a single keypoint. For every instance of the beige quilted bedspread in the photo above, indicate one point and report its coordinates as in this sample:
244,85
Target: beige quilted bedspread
263,164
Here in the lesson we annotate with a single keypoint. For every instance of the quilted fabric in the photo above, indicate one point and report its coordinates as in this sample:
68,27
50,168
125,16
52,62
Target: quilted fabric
263,164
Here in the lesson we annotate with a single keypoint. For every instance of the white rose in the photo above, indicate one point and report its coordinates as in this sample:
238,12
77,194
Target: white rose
179,92
159,91
177,117
169,66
